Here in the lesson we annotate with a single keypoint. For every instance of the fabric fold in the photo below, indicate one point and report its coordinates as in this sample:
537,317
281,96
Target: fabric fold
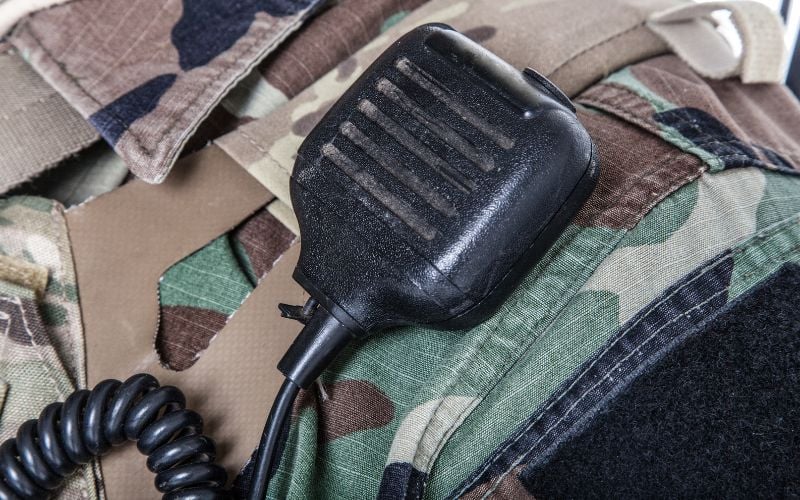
146,79
38,128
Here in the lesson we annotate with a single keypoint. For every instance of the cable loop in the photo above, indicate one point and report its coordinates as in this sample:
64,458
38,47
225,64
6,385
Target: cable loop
67,435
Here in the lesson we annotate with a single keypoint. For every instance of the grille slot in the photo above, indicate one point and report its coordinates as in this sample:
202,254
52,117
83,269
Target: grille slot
427,145
443,131
397,206
394,166
430,84
415,146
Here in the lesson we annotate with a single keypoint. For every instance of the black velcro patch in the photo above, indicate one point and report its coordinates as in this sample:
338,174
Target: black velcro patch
719,416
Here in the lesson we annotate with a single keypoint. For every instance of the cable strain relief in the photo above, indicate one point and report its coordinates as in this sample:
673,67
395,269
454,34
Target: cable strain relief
317,345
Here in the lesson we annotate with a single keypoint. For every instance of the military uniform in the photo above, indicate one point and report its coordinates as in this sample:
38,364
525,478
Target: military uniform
696,215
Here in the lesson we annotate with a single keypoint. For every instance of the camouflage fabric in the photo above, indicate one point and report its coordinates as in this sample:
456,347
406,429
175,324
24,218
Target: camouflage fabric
38,128
42,352
571,49
146,87
698,201
92,172
199,294
336,32
192,311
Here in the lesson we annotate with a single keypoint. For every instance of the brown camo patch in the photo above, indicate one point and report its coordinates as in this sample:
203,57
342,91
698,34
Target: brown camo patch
510,488
637,170
20,321
348,406
184,332
264,239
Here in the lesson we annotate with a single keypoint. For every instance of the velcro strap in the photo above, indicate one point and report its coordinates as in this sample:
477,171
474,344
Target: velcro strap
23,273
690,33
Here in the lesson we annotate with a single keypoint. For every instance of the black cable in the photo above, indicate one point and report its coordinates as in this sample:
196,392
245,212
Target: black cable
89,423
267,454
320,341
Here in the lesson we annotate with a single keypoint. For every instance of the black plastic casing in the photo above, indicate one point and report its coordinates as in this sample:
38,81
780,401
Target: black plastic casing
436,182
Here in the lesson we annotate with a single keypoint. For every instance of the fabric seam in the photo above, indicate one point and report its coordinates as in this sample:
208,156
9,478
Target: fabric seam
209,81
613,107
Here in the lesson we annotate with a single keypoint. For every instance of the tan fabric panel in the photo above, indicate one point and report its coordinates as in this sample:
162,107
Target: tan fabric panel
122,243
37,126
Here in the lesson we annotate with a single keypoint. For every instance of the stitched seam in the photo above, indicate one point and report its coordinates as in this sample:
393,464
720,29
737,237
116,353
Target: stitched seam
703,140
252,141
504,370
594,386
608,105
87,471
263,151
61,238
766,235
704,270
241,52
650,176
663,160
626,97
508,445
633,351
771,259
500,322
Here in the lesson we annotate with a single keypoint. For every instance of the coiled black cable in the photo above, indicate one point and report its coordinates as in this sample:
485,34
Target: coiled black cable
89,423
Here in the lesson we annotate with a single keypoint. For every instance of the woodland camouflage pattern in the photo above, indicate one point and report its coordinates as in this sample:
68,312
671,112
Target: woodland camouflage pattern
199,294
578,54
699,196
337,31
147,87
193,311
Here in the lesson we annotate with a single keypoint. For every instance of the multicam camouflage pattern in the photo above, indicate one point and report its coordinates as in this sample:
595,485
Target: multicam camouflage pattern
698,201
147,87
41,343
